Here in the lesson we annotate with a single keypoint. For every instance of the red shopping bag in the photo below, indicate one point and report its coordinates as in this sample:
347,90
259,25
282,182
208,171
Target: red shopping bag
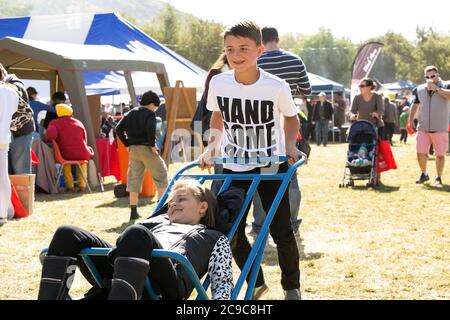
19,210
34,158
385,158
408,128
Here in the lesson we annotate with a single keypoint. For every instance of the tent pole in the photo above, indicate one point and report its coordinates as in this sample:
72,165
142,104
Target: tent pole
131,89
332,103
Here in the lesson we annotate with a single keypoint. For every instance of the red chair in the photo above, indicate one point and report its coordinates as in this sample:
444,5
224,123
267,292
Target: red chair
59,159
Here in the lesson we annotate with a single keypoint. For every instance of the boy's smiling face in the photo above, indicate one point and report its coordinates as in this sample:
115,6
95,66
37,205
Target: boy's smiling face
242,53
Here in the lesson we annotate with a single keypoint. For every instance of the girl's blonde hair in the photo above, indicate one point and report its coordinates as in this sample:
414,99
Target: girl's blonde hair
201,194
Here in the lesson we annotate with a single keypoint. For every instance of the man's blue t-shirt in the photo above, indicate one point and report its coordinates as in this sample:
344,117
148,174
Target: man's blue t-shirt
37,107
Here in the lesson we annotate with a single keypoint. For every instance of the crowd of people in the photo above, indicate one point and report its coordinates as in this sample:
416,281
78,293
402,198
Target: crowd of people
249,108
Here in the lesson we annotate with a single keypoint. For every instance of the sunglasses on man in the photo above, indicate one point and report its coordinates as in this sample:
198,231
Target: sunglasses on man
430,77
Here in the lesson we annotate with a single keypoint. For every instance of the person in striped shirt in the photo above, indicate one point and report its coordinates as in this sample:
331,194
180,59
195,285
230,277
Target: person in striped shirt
290,68
283,64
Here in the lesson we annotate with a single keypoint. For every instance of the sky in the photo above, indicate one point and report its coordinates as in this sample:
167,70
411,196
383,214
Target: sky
357,20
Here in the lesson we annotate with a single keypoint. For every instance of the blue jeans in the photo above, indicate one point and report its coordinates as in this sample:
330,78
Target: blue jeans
161,139
322,132
295,197
217,184
19,154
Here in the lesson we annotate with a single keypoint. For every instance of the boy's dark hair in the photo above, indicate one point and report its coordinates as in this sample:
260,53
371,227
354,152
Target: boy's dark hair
269,34
31,91
58,95
245,29
148,98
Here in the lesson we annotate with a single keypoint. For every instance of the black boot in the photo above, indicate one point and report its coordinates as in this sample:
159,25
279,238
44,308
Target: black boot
134,214
129,278
57,277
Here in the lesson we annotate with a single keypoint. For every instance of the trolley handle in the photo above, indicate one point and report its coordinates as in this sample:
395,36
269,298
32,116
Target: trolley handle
250,160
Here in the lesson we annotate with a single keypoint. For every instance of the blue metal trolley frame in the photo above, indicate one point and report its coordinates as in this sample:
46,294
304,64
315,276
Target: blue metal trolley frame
256,254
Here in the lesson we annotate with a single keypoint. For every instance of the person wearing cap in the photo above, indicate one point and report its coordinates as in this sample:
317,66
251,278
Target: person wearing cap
403,118
322,115
136,130
37,106
70,135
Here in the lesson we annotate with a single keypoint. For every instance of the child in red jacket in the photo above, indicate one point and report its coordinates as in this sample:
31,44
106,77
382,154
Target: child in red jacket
70,135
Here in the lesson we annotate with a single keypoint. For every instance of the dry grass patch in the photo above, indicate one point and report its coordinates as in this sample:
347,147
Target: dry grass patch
391,243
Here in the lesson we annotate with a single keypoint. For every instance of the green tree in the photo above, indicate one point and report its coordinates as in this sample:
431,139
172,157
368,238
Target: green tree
291,41
327,56
164,28
201,42
396,61
14,8
168,26
432,49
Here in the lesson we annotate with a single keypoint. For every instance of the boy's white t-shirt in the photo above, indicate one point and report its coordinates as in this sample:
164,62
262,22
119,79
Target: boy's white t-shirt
252,116
9,101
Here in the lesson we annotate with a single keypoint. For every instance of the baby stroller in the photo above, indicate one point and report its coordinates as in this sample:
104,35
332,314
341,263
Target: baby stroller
361,155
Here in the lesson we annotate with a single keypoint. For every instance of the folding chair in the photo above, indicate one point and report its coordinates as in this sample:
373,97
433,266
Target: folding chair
256,254
59,159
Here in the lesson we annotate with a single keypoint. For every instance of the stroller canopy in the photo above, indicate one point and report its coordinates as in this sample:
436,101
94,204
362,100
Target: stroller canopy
362,127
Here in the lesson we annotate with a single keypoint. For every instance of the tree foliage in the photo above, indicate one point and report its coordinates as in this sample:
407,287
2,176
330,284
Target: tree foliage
202,42
14,9
327,56
433,49
402,60
199,41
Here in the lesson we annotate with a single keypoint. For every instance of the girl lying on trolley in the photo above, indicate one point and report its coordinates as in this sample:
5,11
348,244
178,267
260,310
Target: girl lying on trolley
186,228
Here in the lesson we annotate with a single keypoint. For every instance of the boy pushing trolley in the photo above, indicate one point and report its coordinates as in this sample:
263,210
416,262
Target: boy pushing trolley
254,115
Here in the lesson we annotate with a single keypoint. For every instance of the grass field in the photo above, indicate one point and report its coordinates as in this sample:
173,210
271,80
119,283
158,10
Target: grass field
390,243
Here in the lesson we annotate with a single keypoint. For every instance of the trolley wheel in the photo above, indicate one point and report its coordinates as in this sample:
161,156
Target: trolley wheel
120,191
340,185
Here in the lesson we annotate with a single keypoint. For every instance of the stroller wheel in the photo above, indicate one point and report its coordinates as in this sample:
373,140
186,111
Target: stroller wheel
351,183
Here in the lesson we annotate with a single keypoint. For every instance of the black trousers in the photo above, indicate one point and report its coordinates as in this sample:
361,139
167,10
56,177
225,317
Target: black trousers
310,132
280,230
389,128
403,135
136,241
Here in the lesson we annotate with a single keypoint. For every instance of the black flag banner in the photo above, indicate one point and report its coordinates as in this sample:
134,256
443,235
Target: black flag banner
363,64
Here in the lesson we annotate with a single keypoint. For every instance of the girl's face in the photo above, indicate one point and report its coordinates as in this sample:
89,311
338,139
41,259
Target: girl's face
185,208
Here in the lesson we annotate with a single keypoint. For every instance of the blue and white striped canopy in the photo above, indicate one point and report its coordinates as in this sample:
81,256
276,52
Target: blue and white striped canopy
106,29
